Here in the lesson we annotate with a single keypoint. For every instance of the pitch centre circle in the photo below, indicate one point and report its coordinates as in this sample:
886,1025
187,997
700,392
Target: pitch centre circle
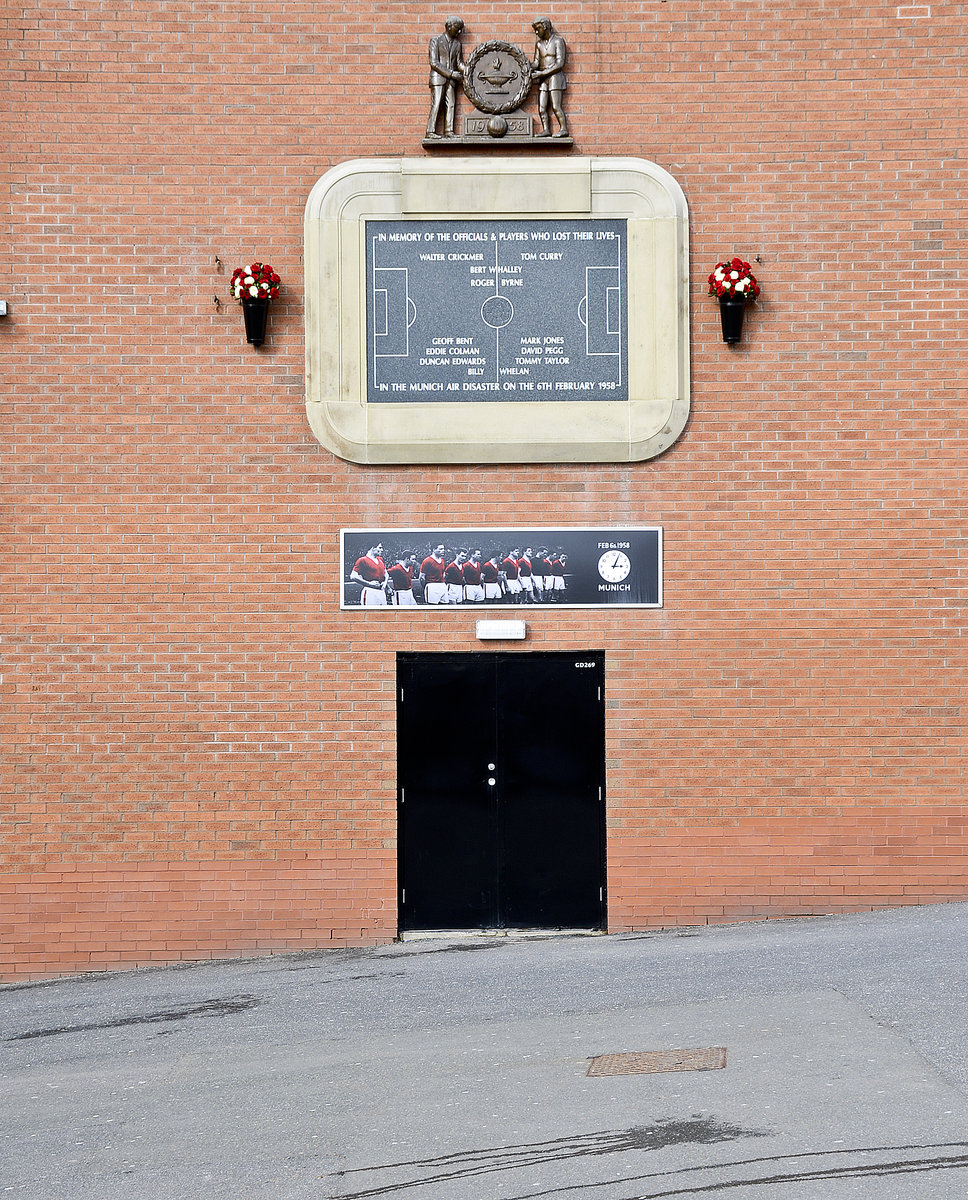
497,311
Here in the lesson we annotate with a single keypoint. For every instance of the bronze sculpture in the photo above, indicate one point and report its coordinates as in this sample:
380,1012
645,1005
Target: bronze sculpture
446,70
549,62
497,78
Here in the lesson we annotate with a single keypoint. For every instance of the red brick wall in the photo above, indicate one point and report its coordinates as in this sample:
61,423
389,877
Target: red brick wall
200,748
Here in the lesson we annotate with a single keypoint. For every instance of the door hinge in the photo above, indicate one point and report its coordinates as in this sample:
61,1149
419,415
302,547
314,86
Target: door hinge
599,794
402,790
401,696
601,895
403,896
599,696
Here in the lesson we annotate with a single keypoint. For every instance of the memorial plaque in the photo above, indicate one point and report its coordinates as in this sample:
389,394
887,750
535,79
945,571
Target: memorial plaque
512,309
522,310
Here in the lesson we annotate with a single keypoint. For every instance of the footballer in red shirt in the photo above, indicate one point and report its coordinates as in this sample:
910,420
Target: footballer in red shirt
432,577
401,577
370,572
473,588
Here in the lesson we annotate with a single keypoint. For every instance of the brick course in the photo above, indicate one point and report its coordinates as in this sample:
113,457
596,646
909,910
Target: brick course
201,747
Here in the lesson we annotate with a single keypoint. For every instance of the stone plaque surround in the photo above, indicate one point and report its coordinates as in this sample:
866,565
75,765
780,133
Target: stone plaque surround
479,432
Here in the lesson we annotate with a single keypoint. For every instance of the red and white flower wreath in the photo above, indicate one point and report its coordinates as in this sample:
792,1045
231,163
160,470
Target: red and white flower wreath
734,278
257,281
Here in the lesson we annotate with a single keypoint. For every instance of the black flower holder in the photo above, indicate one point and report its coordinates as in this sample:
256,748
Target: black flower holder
734,283
254,286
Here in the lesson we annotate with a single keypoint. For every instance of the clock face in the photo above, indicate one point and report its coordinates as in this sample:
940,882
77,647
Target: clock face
613,566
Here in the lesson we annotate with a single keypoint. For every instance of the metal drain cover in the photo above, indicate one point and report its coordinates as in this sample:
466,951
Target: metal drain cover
649,1062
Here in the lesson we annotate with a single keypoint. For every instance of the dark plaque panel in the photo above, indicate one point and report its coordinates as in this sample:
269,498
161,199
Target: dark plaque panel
532,566
496,310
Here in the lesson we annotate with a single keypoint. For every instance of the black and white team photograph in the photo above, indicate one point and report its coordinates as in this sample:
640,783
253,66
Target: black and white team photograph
506,568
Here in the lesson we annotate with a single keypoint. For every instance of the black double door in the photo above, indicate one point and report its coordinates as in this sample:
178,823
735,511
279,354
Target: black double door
501,791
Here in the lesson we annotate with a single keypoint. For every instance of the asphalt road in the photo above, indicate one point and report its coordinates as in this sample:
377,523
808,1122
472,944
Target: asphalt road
434,1070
